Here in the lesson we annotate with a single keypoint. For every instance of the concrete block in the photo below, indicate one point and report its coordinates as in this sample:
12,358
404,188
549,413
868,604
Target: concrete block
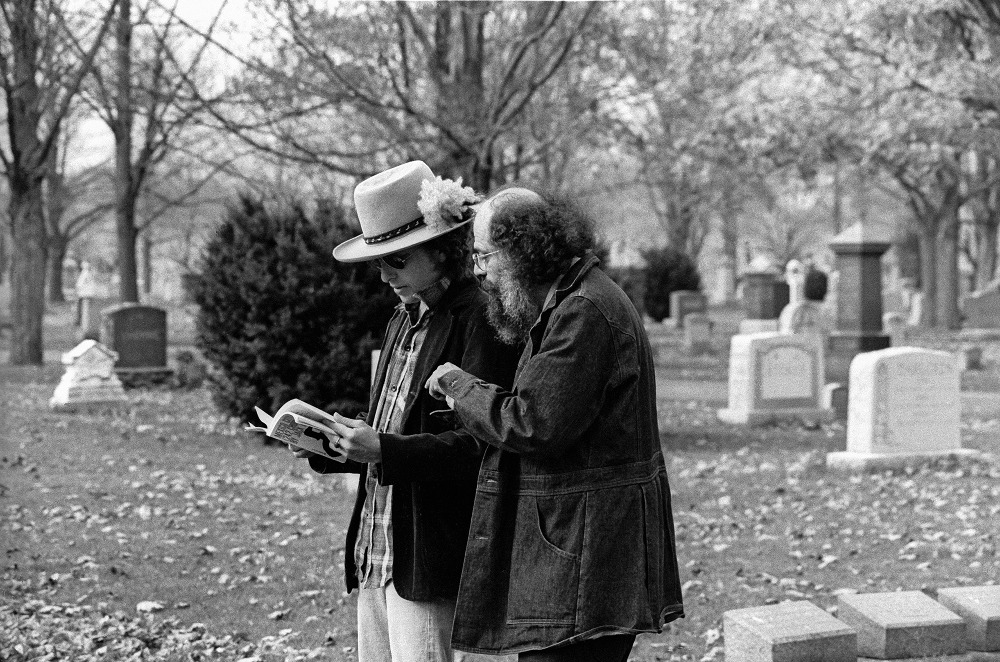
902,624
979,606
797,631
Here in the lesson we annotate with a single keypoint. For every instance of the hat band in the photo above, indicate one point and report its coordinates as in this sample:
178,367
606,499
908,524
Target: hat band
395,232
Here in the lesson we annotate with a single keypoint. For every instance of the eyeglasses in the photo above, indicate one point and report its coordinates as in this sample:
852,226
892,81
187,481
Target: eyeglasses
394,261
479,259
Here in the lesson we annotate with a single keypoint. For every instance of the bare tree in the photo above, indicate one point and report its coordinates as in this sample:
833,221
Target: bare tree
143,94
356,87
40,77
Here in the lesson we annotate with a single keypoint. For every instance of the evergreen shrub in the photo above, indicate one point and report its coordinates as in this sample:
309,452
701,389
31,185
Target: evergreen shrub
667,270
279,318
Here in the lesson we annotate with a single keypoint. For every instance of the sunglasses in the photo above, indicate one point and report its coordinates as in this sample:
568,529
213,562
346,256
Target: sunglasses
394,261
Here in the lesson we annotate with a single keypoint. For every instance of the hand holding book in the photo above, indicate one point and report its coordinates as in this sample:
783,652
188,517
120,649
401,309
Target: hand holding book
304,426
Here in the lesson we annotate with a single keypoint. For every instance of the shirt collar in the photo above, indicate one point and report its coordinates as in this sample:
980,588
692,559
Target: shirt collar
427,299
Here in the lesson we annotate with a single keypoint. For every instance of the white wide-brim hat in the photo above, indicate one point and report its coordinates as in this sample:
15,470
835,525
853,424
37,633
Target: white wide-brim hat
390,218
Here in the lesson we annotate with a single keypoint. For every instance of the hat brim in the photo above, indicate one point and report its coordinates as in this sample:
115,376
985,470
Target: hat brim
356,250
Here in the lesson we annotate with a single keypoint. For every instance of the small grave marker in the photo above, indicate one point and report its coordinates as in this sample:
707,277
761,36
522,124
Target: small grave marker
774,376
797,631
139,334
979,606
901,624
698,333
89,378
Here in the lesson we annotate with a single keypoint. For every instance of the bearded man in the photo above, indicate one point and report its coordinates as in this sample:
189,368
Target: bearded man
571,549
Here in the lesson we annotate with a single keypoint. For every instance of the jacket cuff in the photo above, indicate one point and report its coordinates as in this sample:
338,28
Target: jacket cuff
456,383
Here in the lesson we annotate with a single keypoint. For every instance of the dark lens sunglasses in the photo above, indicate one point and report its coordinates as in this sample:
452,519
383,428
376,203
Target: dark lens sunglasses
394,261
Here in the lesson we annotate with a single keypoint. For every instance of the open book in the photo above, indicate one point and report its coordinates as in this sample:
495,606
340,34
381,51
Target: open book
302,425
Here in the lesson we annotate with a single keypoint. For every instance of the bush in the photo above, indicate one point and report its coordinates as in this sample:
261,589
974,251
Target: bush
667,270
279,318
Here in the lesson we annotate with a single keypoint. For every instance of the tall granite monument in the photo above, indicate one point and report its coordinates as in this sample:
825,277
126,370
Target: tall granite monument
858,316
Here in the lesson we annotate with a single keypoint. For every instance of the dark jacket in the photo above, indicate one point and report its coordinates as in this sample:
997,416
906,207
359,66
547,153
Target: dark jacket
572,532
431,465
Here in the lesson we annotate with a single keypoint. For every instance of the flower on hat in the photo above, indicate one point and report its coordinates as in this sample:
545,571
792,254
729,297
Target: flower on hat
443,201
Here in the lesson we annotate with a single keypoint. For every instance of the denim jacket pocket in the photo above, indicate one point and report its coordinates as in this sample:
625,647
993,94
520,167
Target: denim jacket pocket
545,560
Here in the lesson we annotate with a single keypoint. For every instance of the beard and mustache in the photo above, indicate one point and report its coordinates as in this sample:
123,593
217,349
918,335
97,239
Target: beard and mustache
509,308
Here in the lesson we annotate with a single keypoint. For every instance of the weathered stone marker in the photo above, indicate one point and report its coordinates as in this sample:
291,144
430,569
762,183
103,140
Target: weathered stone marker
901,624
979,606
903,406
698,333
682,303
89,378
797,631
774,376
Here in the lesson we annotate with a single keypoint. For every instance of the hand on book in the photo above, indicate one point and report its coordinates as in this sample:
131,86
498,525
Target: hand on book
358,440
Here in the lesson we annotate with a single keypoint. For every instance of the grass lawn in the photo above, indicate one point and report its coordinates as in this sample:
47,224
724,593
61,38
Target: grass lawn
162,531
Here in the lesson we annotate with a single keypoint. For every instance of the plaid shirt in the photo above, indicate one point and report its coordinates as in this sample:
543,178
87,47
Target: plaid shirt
373,551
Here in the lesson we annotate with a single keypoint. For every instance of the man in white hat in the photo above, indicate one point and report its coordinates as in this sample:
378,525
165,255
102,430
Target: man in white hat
406,539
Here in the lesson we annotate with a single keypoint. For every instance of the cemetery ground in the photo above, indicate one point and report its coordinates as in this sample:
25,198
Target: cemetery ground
161,530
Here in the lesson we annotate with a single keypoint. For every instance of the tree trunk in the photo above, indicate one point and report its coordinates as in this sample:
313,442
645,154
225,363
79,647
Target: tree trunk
988,252
25,175
27,272
57,246
927,237
125,190
55,207
946,292
147,264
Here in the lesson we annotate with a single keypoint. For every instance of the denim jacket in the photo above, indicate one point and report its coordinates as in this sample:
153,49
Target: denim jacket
431,465
572,533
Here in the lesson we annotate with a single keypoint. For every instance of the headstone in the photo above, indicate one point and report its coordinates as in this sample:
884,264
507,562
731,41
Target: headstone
970,358
795,631
683,302
903,406
795,278
981,309
93,292
895,325
901,624
751,326
803,316
764,295
858,316
89,378
979,607
774,376
138,333
834,398
698,333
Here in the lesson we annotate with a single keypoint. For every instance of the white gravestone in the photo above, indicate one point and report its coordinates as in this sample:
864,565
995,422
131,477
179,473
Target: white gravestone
774,376
903,405
89,378
795,277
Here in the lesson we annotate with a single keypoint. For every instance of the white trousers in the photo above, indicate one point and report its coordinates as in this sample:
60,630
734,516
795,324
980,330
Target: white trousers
391,629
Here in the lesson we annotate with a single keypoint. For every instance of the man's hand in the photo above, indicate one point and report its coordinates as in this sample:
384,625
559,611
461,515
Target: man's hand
433,383
300,453
357,439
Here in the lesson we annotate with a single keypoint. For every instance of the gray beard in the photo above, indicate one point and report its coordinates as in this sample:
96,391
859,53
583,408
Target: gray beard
510,310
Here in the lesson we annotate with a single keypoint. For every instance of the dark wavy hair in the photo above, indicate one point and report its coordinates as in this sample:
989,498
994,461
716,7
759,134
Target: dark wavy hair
540,236
455,249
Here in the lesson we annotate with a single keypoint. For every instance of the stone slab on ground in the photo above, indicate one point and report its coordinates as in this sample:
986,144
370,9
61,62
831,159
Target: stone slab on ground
796,631
902,624
980,607
973,656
